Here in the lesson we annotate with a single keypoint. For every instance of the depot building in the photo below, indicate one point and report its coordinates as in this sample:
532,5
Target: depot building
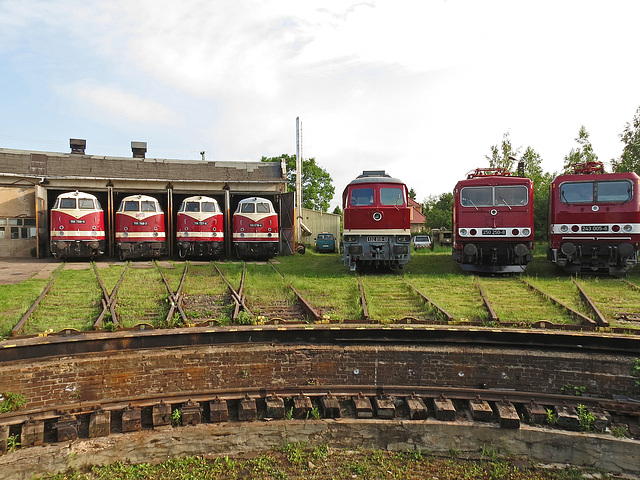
30,182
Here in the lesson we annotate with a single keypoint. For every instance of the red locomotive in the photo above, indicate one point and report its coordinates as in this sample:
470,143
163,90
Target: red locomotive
255,229
594,220
77,226
377,221
200,227
493,221
140,230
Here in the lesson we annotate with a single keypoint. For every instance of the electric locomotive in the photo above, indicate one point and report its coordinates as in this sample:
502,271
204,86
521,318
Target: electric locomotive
200,228
140,230
493,222
255,229
77,226
594,220
377,221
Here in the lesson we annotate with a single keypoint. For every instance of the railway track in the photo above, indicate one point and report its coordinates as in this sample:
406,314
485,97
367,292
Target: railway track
210,296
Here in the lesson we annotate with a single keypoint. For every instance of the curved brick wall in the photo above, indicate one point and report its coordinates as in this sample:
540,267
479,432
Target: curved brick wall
57,381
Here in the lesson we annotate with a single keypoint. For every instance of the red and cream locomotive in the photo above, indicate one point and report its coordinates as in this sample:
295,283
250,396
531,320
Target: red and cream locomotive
140,228
255,229
77,226
493,221
200,227
594,220
377,221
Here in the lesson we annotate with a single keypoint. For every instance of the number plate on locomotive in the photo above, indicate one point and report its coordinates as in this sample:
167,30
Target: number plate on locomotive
376,239
494,231
595,228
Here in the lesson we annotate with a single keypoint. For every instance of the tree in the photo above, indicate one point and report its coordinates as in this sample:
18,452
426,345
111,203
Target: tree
437,209
630,159
412,194
541,181
317,186
502,157
583,153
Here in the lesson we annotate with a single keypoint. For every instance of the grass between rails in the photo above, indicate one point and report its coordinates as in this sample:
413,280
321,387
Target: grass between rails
327,284
297,461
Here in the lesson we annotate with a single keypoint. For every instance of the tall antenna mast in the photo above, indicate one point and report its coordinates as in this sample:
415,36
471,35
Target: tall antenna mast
299,178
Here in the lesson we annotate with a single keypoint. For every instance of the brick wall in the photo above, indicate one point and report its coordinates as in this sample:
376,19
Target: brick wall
117,375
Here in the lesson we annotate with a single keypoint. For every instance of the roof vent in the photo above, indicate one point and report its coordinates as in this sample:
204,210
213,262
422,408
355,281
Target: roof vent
139,149
78,145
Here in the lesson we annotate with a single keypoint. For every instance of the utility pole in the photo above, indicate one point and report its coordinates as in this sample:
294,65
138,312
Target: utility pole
298,181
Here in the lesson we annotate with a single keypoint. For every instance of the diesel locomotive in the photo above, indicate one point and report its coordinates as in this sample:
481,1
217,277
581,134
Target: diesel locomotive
77,226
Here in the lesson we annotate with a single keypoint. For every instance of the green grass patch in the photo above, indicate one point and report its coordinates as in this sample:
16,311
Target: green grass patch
142,298
15,300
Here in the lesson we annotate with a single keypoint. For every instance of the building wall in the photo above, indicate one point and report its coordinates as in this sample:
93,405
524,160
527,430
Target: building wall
56,381
17,221
320,222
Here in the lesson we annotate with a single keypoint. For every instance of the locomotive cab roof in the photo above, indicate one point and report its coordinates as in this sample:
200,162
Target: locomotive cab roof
375,176
263,203
76,194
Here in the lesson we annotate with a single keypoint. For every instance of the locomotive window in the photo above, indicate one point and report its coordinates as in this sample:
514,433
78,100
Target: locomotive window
262,207
361,196
148,206
391,196
476,197
85,203
68,203
192,207
247,208
510,195
576,192
616,191
208,207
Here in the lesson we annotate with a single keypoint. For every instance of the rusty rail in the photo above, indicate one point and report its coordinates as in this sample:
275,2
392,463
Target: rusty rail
585,320
492,314
363,300
108,300
600,320
306,306
18,326
174,298
427,300
238,298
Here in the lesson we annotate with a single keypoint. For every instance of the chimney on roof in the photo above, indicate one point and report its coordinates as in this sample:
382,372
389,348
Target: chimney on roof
78,145
139,149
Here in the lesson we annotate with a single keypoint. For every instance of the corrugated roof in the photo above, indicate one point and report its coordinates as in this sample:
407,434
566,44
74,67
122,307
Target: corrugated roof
65,165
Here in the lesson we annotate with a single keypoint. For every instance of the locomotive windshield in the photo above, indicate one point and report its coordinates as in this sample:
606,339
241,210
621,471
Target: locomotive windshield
85,204
616,191
502,195
192,207
68,203
361,196
209,207
391,196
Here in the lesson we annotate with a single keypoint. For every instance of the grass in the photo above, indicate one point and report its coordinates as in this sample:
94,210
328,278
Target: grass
297,460
328,285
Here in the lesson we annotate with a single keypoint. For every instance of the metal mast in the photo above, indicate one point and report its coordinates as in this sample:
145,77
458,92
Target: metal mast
298,180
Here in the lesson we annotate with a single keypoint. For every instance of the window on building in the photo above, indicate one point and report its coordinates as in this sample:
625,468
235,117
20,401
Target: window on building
18,228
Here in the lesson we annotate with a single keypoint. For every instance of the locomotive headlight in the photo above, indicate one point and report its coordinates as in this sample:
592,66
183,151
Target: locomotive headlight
526,232
242,235
215,229
155,229
269,235
61,227
377,216
94,234
350,238
627,228
155,234
242,230
464,232
269,229
93,227
61,234
126,228
564,228
404,238
125,234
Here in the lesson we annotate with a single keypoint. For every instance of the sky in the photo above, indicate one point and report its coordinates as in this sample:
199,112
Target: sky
419,88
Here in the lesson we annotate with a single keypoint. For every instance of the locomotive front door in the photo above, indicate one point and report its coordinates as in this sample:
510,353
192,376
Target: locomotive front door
286,223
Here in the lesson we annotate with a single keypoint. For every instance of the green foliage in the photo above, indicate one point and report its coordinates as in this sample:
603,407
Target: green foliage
244,318
502,156
176,417
583,153
635,371
437,209
573,390
295,452
586,419
620,431
289,414
10,402
317,184
13,442
552,418
629,161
